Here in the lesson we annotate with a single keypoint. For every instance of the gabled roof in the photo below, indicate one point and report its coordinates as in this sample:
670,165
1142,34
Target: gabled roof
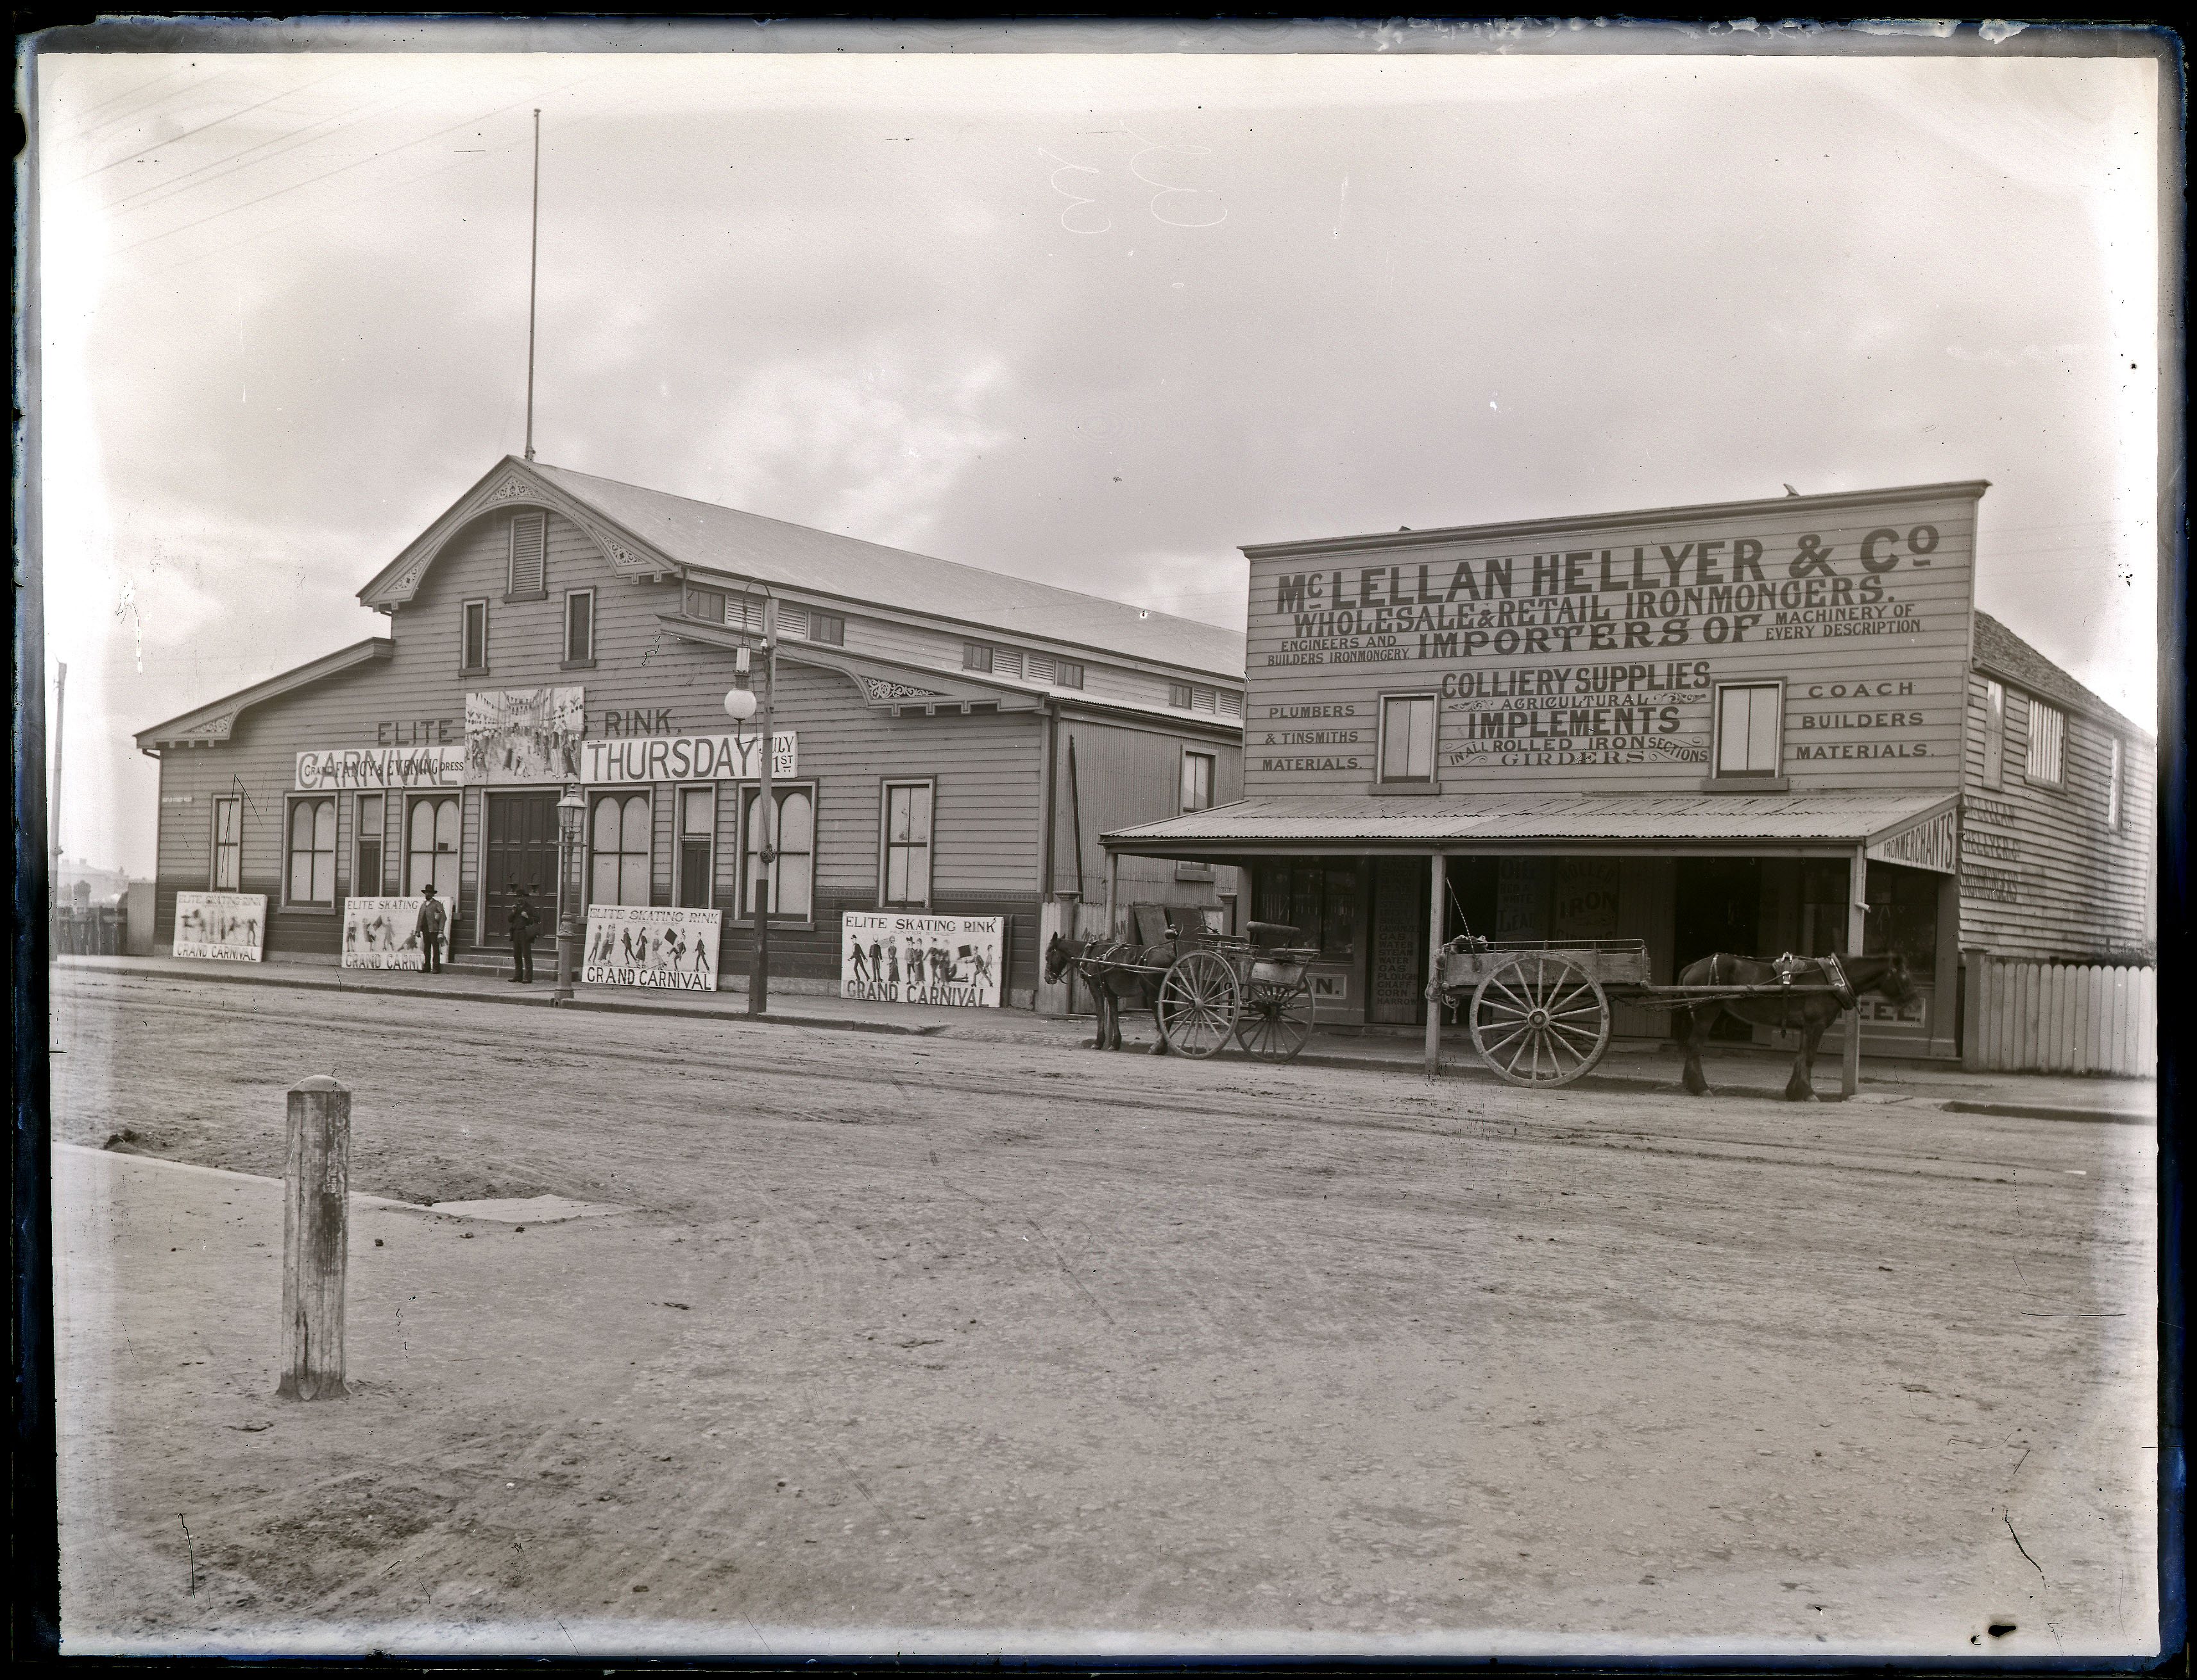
2007,655
214,720
670,533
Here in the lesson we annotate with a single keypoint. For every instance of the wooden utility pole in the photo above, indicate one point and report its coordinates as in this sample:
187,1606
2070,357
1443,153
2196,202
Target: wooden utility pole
767,821
1856,939
1438,869
53,811
316,1240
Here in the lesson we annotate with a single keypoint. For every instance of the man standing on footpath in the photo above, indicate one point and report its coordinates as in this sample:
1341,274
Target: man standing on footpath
523,921
433,918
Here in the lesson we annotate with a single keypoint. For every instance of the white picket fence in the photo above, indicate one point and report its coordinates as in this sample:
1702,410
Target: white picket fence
2054,1018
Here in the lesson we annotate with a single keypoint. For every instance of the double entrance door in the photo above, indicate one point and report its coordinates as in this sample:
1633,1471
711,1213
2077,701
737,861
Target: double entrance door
521,851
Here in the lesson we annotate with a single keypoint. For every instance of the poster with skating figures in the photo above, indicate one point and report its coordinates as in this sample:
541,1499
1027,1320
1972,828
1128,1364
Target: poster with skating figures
912,959
524,735
651,944
222,927
382,933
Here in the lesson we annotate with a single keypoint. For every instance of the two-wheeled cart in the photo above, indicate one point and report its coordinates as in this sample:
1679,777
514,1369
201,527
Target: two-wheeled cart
1539,1010
1220,987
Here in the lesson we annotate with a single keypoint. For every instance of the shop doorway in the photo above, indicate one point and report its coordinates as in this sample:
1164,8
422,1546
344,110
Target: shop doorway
521,850
1716,906
1396,993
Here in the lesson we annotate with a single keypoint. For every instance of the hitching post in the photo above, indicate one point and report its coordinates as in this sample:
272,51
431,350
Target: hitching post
1857,937
316,1239
1438,871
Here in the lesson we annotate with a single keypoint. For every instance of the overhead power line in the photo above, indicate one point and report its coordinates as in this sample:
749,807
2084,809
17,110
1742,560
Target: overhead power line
228,117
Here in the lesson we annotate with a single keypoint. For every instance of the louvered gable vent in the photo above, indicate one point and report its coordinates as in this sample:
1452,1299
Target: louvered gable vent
530,542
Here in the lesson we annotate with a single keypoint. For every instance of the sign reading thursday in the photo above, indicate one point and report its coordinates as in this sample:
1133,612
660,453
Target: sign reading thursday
912,958
733,756
382,933
335,769
652,945
225,927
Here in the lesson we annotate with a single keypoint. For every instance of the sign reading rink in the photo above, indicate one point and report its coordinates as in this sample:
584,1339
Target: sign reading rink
652,945
224,927
914,959
1598,644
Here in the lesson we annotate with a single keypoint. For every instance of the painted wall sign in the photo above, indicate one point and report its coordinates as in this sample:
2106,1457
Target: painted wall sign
420,731
1933,843
728,758
911,959
521,735
223,927
382,933
1601,646
331,769
652,946
1586,899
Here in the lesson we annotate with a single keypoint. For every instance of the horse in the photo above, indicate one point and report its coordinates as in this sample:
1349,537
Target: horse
1808,1012
1117,973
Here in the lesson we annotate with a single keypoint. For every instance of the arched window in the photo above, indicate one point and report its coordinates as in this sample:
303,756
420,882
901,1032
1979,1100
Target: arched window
313,852
619,842
792,872
430,847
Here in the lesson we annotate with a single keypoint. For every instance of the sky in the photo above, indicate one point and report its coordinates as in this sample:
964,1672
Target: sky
1092,317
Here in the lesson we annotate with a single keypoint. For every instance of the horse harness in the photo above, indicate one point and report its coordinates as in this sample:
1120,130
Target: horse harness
1790,967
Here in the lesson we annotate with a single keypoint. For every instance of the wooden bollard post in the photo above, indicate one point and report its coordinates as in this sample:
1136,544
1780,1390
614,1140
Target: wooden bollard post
316,1240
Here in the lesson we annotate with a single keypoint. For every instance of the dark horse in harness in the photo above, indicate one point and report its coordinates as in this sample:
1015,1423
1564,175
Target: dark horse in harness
1809,1013
1119,975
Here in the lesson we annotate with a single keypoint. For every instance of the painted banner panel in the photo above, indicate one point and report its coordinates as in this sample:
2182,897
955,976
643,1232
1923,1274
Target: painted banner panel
223,927
524,735
912,959
382,933
652,945
336,769
731,756
1600,645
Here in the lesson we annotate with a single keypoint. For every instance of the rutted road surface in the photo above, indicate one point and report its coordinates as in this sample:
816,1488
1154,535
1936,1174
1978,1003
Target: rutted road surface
934,1345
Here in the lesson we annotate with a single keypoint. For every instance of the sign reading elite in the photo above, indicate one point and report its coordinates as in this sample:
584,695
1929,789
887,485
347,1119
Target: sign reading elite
382,933
914,958
652,945
226,927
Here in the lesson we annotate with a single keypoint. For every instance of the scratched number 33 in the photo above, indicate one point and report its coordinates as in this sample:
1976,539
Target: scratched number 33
1171,203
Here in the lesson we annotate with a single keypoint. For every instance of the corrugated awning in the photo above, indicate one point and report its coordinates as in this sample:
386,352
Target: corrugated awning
1498,821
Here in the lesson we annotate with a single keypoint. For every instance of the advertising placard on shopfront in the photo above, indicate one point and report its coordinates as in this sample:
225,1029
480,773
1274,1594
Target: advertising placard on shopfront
374,769
221,927
652,945
909,958
523,736
382,933
734,756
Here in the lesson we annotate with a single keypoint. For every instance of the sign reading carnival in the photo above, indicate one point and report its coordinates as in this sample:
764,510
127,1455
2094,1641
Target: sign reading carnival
1601,644
336,769
652,945
382,933
224,927
914,959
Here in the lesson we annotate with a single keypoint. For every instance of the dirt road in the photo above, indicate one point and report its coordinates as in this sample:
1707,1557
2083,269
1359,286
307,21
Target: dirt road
927,1345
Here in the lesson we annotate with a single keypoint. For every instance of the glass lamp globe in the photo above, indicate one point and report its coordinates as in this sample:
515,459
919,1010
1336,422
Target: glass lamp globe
739,703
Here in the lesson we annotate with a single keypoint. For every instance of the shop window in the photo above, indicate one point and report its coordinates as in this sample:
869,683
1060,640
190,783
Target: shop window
579,627
2115,802
618,833
908,846
1994,734
1903,918
1823,908
1197,780
792,872
1407,738
528,579
827,627
1067,673
312,873
1319,899
431,847
1749,728
976,657
366,847
228,872
473,654
708,605
697,826
2047,732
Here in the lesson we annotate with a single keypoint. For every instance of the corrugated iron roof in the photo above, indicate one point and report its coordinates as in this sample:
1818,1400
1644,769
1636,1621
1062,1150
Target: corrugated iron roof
747,545
2004,654
1786,817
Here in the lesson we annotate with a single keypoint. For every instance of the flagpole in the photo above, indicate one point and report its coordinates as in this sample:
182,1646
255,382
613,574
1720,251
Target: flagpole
533,263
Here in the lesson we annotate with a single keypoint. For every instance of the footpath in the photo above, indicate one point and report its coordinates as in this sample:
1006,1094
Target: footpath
1637,1065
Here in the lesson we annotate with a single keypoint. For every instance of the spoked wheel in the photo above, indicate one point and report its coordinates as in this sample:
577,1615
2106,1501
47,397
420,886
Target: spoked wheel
1199,1002
1277,1020
1539,1019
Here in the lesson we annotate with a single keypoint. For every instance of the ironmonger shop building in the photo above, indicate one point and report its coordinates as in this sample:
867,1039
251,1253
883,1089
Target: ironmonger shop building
949,740
1748,726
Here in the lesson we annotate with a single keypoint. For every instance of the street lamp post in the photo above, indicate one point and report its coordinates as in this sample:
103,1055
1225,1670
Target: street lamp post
570,810
740,705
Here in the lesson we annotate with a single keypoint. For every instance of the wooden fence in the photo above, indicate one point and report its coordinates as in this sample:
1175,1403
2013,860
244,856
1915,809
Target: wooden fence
2053,1019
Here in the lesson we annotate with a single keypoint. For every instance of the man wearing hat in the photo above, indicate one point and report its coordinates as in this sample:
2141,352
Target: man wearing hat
434,917
523,921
